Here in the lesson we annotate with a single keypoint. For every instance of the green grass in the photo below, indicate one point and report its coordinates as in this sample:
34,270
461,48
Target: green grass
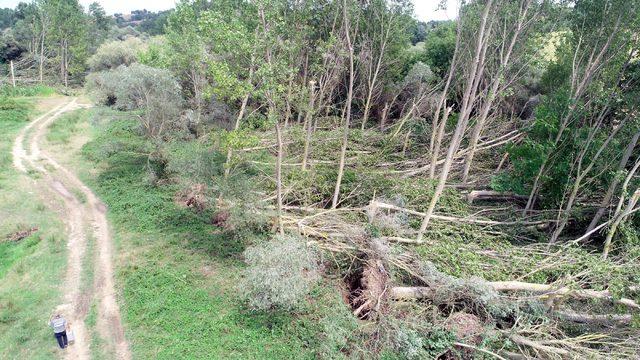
19,91
61,131
30,269
177,274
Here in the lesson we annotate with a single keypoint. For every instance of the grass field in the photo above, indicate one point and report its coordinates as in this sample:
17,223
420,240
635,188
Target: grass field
30,268
177,275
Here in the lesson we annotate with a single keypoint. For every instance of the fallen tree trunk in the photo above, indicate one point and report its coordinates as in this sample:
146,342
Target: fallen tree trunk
597,319
563,291
490,195
403,293
411,293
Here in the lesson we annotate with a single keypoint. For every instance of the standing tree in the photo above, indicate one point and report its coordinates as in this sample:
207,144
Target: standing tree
473,74
347,115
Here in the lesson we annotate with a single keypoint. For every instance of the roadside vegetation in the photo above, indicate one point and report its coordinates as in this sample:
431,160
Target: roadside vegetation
32,242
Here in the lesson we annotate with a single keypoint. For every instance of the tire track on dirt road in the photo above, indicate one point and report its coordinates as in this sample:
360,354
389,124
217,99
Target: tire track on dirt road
81,218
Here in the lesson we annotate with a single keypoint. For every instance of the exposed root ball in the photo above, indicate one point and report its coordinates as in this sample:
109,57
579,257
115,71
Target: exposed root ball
369,289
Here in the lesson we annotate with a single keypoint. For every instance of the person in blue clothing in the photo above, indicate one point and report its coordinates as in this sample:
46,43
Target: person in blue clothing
59,325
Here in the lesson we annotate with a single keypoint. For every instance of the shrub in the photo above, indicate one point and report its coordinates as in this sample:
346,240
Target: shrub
141,87
112,54
280,274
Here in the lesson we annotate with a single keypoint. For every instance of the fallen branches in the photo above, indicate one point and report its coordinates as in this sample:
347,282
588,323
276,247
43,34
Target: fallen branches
377,204
521,340
462,153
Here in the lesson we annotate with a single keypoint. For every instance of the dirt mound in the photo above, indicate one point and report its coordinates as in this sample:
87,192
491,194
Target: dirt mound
192,197
467,327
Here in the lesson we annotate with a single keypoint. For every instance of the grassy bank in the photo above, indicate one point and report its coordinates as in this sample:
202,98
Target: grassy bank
30,267
177,273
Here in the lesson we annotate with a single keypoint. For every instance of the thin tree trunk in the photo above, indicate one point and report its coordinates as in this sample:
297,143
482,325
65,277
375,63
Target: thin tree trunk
619,217
614,184
467,101
372,83
42,56
345,136
287,114
383,118
66,63
243,107
438,125
279,178
13,76
307,121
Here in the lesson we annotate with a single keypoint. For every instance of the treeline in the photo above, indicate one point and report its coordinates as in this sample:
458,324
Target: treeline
54,38
51,40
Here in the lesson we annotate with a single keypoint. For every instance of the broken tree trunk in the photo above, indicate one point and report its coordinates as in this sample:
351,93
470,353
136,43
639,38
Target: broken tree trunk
243,107
380,205
490,195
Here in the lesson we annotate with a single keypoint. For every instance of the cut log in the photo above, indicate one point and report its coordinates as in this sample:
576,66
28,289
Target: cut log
490,195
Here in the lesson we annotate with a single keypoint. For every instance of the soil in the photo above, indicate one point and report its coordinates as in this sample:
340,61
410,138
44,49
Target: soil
84,220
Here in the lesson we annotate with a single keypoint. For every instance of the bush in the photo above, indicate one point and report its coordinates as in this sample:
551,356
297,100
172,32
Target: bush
112,54
280,274
141,87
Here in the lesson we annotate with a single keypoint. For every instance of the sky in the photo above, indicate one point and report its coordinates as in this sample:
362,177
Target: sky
425,9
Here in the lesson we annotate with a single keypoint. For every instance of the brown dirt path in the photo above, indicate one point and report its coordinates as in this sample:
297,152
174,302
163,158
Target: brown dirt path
82,218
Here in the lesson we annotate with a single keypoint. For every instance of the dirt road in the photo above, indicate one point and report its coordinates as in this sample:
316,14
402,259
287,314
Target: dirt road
84,216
